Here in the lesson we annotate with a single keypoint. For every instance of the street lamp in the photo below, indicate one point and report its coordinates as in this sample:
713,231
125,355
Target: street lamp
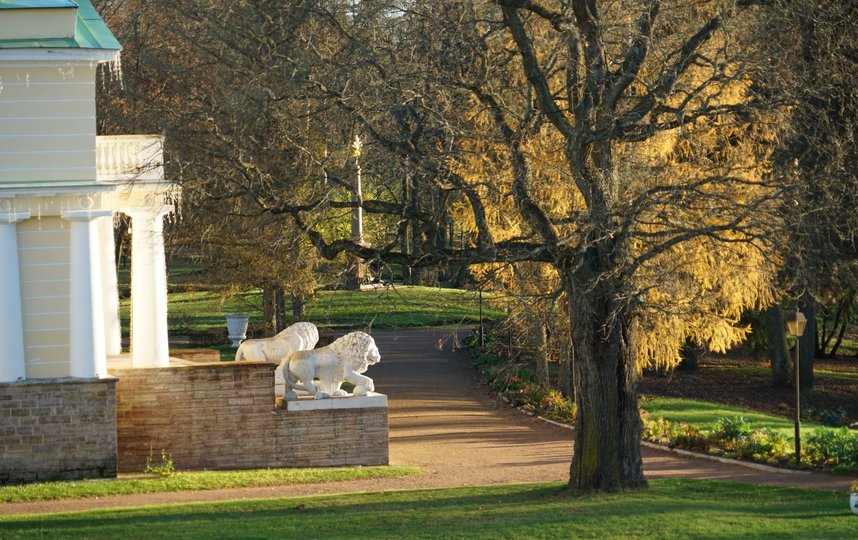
795,327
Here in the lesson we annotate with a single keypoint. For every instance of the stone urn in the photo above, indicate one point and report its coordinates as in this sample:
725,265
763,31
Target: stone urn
236,326
853,500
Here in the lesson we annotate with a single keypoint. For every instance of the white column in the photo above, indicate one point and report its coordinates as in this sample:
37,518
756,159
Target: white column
12,359
88,357
112,326
149,345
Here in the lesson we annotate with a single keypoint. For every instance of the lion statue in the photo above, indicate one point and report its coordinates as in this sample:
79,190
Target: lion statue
343,360
298,337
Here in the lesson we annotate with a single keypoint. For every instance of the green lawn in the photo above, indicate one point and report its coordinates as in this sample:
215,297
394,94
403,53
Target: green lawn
195,481
394,307
703,414
670,509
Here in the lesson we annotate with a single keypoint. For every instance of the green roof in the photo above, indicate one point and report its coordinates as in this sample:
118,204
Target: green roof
90,30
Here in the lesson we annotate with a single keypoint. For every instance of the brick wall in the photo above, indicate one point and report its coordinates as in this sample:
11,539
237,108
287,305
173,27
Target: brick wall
57,429
222,416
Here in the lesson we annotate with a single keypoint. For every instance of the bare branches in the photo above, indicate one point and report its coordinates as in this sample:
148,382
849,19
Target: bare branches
535,75
635,56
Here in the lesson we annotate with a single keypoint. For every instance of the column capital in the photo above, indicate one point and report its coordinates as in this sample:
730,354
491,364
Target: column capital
13,217
85,215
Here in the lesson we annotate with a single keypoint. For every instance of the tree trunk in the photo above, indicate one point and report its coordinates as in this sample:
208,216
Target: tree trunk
416,240
541,355
608,426
299,307
567,382
690,357
273,309
777,345
807,343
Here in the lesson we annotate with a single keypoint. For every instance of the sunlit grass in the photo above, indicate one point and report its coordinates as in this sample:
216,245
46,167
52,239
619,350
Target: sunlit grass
195,481
670,509
394,307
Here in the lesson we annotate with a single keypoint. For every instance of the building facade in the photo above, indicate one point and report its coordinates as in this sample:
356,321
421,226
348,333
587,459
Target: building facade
61,187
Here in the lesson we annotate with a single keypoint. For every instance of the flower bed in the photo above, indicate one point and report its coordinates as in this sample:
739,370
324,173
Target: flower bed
825,448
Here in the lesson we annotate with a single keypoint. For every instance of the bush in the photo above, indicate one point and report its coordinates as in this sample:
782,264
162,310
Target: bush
734,430
833,417
765,445
730,437
515,382
834,448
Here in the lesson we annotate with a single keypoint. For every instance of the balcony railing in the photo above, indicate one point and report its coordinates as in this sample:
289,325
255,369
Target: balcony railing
129,158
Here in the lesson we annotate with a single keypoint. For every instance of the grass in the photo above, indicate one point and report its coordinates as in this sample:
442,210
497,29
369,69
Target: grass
380,308
195,481
670,509
703,414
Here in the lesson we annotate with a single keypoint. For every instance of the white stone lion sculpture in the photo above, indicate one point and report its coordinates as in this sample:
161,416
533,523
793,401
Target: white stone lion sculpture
300,336
343,360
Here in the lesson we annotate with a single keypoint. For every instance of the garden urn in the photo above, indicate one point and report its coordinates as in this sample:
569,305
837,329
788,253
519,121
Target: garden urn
236,326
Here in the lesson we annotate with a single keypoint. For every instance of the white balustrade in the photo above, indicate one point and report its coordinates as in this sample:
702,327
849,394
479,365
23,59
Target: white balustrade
122,158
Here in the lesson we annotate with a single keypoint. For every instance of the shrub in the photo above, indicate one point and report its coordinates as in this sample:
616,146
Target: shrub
764,445
516,383
731,437
735,429
833,417
673,434
834,448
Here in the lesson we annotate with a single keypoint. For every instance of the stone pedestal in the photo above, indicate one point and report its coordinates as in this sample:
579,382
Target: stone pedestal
222,416
308,403
60,429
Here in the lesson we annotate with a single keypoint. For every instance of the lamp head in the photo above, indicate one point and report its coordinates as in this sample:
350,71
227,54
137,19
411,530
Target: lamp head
796,324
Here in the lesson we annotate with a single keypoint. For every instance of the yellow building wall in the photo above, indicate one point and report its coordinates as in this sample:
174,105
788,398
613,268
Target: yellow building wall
47,123
44,254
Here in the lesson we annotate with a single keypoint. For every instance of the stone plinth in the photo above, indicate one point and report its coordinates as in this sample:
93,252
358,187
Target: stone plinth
308,403
222,416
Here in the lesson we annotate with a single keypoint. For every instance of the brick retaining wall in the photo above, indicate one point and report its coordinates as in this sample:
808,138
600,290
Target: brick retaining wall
222,416
57,429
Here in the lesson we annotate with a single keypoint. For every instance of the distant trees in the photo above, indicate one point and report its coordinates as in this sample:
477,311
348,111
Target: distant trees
209,75
819,161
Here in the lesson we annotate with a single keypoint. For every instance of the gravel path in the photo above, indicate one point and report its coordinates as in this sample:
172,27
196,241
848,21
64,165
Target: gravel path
443,421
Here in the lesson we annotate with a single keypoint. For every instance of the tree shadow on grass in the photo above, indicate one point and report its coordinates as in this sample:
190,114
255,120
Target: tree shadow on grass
669,509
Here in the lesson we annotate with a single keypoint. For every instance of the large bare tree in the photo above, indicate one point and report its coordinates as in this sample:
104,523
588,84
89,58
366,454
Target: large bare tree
615,91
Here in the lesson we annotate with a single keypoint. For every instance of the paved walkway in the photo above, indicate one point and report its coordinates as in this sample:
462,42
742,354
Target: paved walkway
443,421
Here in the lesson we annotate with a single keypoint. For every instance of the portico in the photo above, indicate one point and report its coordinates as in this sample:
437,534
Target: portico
60,188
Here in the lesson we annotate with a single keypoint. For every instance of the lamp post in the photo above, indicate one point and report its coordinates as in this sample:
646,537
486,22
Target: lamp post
795,327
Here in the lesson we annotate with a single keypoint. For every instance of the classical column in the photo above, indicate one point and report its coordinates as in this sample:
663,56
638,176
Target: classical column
12,359
112,326
149,345
357,272
88,357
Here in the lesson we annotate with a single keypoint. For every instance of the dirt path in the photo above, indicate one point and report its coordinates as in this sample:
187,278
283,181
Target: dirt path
443,421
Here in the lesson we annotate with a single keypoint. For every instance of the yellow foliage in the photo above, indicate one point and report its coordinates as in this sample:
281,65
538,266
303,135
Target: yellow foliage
690,178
